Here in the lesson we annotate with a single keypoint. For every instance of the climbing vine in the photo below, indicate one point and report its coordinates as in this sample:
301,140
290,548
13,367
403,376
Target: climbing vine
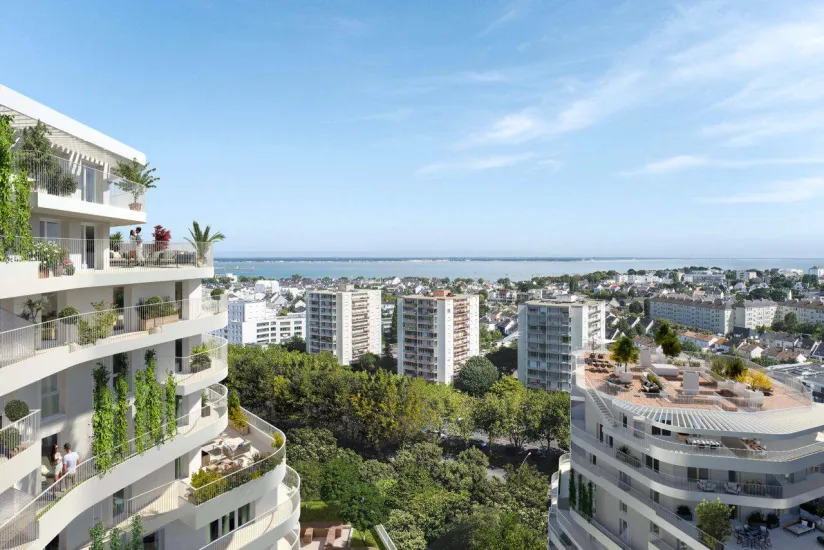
102,420
15,210
171,413
96,534
116,539
141,424
154,399
121,418
136,542
573,494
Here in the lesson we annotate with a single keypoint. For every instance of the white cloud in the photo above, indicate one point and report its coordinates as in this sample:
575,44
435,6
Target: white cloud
683,162
776,193
510,129
477,163
485,77
755,129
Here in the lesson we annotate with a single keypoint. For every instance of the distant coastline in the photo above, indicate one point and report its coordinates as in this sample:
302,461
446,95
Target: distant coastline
277,259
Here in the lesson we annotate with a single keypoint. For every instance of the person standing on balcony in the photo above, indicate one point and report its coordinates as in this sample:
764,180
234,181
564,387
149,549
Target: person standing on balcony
56,461
132,247
70,460
139,243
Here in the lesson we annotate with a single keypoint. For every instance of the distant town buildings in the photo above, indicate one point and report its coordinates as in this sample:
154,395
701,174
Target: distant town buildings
253,322
345,322
437,334
717,316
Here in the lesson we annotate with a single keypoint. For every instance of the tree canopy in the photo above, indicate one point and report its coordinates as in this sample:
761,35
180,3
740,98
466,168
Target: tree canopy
477,376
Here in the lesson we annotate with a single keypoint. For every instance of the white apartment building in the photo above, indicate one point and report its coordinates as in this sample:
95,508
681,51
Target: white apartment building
755,313
817,271
252,322
744,275
437,334
652,457
344,322
549,331
705,278
267,286
717,316
77,303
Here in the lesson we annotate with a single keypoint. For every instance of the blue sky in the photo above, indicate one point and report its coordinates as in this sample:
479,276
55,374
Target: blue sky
462,128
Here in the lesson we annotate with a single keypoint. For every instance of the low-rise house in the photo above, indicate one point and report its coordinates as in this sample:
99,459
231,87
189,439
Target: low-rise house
750,350
703,341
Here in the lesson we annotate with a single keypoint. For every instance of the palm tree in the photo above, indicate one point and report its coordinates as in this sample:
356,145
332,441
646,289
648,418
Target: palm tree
32,309
202,241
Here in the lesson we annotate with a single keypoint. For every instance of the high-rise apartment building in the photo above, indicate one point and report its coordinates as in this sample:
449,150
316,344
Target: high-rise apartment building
437,334
717,316
653,448
345,322
83,313
252,322
549,331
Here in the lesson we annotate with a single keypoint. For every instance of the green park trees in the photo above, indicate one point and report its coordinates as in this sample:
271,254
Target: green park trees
477,376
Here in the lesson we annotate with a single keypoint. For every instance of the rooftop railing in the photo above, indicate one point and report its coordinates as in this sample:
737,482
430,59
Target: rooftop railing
22,527
109,325
265,522
65,178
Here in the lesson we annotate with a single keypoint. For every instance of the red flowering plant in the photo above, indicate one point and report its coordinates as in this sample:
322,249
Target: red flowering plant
161,236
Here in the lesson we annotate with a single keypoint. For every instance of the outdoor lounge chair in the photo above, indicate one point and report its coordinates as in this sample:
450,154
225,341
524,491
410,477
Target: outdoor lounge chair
800,527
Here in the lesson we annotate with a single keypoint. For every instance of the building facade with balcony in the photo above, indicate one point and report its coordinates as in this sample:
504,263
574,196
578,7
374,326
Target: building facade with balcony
437,334
717,316
549,331
655,447
345,322
77,301
252,322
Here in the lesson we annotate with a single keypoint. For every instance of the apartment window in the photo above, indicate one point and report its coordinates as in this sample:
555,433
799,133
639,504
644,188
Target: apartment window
652,463
214,531
694,474
243,514
119,502
179,472
654,495
622,506
654,529
50,396
49,230
228,522
623,528
179,355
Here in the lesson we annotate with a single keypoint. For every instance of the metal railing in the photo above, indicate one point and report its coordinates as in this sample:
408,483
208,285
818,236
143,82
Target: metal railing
265,522
20,435
386,540
214,348
62,177
266,430
234,479
70,257
22,526
155,502
87,329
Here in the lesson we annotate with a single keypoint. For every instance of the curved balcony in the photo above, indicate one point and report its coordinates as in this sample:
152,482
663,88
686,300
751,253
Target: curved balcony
270,529
46,515
208,365
53,265
31,353
19,449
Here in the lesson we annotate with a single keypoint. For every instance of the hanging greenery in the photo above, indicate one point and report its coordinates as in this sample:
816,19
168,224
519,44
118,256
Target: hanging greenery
590,500
141,423
116,541
154,399
136,542
573,494
96,534
171,414
15,210
102,420
121,418
99,325
42,166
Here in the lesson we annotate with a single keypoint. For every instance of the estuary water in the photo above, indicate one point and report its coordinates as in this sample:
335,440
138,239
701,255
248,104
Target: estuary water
487,268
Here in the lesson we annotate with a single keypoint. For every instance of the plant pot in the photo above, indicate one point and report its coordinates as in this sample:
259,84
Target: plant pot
242,431
136,206
44,272
49,333
206,411
687,517
154,322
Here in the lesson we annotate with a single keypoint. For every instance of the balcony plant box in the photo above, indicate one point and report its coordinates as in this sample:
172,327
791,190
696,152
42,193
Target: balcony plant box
242,430
153,322
135,206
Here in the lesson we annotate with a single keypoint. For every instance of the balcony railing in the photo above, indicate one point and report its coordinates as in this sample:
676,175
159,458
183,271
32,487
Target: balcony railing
61,177
87,329
189,368
265,522
70,257
22,527
20,435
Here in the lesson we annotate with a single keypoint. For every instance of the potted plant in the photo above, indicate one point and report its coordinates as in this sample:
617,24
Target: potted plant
206,410
155,312
756,518
49,326
202,240
161,236
136,179
49,254
15,410
10,440
201,359
68,315
115,241
684,512
237,419
772,521
217,293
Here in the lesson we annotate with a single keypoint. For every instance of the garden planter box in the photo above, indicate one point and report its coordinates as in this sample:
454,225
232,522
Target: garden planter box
242,431
136,206
146,324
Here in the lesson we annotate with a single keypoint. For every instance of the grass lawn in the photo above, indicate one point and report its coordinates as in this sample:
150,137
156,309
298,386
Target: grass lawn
317,510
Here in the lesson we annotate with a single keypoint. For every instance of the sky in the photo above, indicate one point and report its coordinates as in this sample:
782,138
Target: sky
485,128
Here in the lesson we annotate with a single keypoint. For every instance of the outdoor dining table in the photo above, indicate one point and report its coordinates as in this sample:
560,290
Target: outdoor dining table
703,442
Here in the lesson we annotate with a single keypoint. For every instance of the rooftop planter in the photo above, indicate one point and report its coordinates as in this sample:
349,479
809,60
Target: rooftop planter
209,483
155,312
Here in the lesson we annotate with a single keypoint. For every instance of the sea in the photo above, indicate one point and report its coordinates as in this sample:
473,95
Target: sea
516,269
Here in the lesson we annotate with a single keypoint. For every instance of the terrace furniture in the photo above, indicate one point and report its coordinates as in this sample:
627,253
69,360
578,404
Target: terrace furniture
209,455
703,443
308,533
732,488
801,527
236,446
706,485
664,370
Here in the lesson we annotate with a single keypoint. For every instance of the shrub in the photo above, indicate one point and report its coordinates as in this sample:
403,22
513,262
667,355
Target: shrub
162,236
16,409
714,520
155,306
200,357
204,477
655,380
217,293
10,438
279,440
683,510
755,517
68,315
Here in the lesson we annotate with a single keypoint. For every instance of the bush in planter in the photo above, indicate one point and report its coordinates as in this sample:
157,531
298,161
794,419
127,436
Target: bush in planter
236,415
772,521
68,315
755,517
684,511
161,236
16,409
100,325
200,358
217,293
154,307
10,439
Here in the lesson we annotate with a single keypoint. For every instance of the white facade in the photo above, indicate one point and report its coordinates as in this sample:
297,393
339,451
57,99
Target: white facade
717,316
437,334
756,313
252,322
648,455
48,363
549,331
744,275
267,286
344,322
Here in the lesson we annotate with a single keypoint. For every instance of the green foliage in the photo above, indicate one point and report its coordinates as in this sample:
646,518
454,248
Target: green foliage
201,358
15,210
99,325
340,475
155,307
477,375
36,158
369,362
311,478
236,416
204,477
136,178
141,418
295,343
203,241
713,518
671,346
311,444
102,420
487,528
636,308
154,399
573,491
363,506
486,337
121,417
15,410
217,293
404,530
10,438
136,542
116,541
505,359
624,351
68,315
96,536
171,413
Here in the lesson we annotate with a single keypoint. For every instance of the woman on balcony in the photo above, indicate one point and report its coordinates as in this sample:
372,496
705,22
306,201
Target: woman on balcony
56,462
